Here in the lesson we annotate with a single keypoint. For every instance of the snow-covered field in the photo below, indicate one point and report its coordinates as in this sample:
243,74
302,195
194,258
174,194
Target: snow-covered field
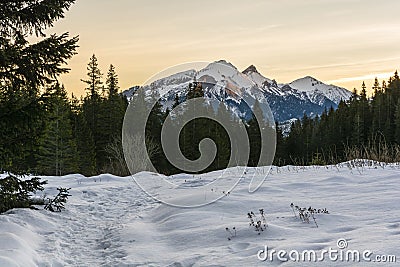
109,221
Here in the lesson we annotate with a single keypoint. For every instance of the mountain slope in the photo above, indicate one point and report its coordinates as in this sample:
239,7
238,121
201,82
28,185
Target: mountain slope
286,102
223,81
315,89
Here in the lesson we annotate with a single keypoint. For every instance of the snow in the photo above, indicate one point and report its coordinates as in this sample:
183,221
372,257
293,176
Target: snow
225,72
315,88
286,126
174,82
109,221
223,81
256,77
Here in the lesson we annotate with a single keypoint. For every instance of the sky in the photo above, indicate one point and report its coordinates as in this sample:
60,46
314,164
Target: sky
336,41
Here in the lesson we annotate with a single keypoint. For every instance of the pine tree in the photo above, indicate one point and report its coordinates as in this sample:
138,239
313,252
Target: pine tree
254,134
384,85
361,118
280,157
112,82
84,140
57,151
16,193
363,87
395,87
94,83
376,87
93,110
35,64
378,111
25,67
86,147
396,75
293,143
397,123
358,132
111,116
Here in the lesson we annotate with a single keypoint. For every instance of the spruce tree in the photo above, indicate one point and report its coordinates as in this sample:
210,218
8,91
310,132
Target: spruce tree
255,134
86,148
25,67
112,82
376,87
293,142
57,151
111,116
384,85
83,139
396,76
378,110
94,83
93,110
362,118
279,159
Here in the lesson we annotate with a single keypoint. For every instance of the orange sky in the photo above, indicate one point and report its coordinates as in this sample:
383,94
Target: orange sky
337,41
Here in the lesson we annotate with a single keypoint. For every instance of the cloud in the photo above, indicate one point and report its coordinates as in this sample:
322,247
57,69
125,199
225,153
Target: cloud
384,75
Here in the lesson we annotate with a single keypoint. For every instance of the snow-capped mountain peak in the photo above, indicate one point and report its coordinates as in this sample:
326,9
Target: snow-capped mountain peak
224,73
315,89
218,63
307,84
262,82
222,80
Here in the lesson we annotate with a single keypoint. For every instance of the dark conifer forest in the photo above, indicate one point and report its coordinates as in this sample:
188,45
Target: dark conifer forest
363,127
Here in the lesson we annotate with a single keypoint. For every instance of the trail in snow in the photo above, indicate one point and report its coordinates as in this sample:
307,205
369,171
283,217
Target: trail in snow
88,232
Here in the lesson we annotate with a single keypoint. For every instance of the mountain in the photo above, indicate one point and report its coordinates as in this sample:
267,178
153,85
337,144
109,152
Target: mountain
316,90
287,102
223,81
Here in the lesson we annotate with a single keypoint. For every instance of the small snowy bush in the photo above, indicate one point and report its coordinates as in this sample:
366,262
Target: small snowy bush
57,203
258,222
17,193
305,214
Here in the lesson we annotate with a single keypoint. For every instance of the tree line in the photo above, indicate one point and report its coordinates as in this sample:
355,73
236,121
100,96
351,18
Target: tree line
59,135
362,127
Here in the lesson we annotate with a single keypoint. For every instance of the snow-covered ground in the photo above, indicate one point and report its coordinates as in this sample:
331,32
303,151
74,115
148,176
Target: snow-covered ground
109,221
